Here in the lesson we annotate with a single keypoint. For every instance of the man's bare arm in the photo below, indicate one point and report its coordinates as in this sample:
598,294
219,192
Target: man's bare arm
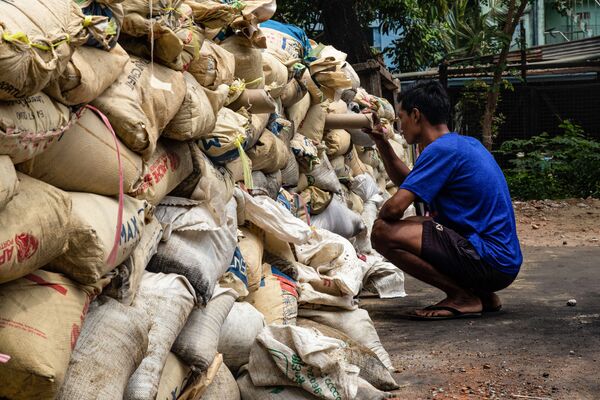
393,209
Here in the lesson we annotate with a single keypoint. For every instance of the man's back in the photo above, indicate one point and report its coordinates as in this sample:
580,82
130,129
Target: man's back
467,192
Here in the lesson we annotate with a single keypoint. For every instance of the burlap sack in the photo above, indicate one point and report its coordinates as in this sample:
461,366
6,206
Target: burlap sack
93,234
114,337
257,101
316,95
33,228
194,244
142,102
251,245
297,112
276,298
89,73
290,174
175,377
338,142
312,125
276,74
207,183
292,93
231,130
249,391
337,107
240,328
356,324
170,164
236,169
342,171
38,37
337,218
322,175
269,154
248,61
28,126
354,162
126,278
84,159
214,67
107,33
266,184
198,341
168,300
316,199
9,183
198,113
40,320
223,386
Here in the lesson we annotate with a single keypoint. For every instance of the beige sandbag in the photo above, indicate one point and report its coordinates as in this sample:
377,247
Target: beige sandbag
84,159
40,320
242,325
230,133
175,377
251,245
248,61
206,183
316,199
141,103
312,125
354,202
297,112
195,390
337,107
223,386
9,183
89,73
251,392
338,142
276,298
126,278
114,337
278,248
29,125
292,93
269,154
276,74
168,299
198,113
214,67
277,40
93,234
257,101
316,95
369,156
33,228
170,164
236,169
354,162
38,37
342,171
290,174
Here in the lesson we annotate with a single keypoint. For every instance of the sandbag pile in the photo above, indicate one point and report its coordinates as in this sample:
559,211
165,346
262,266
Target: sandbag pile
185,192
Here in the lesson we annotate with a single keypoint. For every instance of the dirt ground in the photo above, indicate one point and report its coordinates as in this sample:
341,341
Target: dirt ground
537,347
572,222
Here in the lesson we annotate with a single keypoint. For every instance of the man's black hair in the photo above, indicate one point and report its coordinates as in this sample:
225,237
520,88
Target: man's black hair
430,98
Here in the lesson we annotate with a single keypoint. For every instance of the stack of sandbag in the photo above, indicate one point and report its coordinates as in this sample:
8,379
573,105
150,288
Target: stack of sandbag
175,199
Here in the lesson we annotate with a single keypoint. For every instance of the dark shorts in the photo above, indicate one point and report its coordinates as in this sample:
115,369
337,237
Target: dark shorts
454,256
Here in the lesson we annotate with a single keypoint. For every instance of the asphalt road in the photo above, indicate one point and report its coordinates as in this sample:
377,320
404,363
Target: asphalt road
537,347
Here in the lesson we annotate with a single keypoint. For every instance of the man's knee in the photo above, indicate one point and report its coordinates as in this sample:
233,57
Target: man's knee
397,235
379,235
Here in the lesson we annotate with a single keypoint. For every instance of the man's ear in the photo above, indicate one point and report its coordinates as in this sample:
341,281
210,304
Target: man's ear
416,115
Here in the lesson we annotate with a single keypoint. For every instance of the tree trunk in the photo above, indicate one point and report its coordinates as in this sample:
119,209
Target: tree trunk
513,18
343,31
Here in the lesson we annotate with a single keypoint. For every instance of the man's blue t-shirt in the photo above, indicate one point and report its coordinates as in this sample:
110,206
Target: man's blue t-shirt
462,183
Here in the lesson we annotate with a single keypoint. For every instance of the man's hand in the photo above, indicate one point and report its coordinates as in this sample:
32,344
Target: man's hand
377,133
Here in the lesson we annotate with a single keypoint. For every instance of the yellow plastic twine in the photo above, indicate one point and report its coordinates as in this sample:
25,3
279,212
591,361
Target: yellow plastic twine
239,141
23,38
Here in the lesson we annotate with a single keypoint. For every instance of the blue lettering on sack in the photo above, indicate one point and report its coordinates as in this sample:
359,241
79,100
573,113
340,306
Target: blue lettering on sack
238,267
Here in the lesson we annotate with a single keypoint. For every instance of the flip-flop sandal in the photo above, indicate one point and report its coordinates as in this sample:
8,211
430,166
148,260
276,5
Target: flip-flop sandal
456,314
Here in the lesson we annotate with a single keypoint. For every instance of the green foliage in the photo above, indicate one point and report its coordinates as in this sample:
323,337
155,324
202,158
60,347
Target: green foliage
544,167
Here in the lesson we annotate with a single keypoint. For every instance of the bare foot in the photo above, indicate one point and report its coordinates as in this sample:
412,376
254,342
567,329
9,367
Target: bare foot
465,304
491,302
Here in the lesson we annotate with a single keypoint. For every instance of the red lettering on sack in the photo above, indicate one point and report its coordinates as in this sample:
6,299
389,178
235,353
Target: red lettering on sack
75,331
42,282
27,245
6,255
